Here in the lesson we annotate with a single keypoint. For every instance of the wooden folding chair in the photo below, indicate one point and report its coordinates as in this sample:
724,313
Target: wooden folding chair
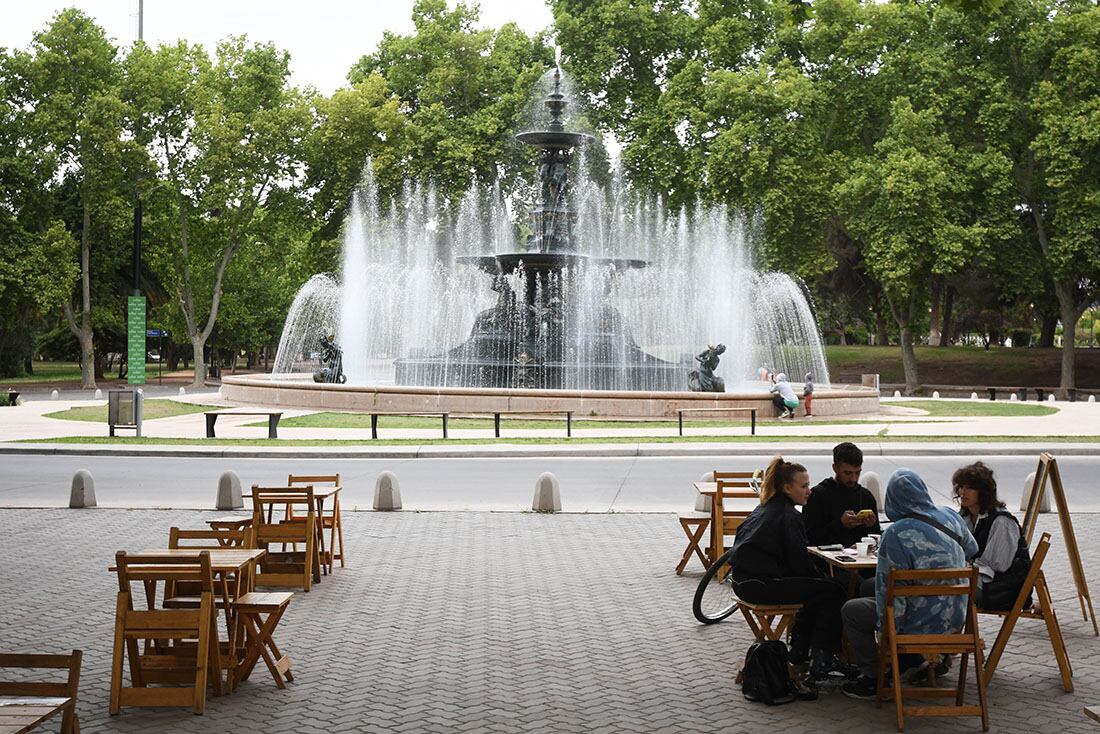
193,657
259,635
910,584
694,527
282,568
333,522
1043,608
70,723
730,484
760,618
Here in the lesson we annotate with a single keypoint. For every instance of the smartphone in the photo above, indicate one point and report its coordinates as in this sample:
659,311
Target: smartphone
866,513
845,559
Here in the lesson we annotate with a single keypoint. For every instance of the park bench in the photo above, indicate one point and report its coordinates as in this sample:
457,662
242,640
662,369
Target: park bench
273,417
680,415
374,420
13,397
568,418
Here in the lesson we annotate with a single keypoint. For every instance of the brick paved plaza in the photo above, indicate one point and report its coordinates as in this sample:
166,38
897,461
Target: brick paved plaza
493,622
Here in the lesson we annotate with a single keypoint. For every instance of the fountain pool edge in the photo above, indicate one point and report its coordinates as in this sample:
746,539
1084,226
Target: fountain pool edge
284,391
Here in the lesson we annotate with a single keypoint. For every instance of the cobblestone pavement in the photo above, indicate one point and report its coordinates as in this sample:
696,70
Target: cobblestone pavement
502,622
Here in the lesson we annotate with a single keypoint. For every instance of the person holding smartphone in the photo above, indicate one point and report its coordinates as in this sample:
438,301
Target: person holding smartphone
840,509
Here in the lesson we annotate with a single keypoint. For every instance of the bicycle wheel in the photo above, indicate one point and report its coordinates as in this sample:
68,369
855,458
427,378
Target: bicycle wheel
714,598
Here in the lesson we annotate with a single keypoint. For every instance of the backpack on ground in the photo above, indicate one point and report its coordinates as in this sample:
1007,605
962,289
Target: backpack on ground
766,677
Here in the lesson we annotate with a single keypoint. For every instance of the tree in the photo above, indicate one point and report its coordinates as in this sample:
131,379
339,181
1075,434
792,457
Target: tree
226,134
71,84
1063,184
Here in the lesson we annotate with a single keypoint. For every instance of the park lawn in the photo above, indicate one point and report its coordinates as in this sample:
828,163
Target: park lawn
362,421
964,365
305,443
64,372
958,408
150,410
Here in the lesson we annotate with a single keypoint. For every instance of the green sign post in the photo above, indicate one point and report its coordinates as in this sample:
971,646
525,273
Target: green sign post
135,340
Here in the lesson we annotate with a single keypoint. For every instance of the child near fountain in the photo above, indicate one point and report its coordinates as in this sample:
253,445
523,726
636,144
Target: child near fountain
808,392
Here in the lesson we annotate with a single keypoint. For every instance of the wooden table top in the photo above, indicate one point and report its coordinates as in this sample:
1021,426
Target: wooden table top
830,557
732,504
221,559
23,714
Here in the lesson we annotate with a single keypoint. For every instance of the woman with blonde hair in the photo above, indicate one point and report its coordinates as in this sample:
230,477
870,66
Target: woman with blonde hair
770,565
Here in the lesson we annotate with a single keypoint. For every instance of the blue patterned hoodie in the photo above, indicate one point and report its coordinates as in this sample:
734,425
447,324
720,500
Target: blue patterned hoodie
913,544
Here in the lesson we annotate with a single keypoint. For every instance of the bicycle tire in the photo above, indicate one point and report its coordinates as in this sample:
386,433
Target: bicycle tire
714,598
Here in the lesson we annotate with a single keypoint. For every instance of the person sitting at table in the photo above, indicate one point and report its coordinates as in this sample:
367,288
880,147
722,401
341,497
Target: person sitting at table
1003,559
922,536
832,514
770,565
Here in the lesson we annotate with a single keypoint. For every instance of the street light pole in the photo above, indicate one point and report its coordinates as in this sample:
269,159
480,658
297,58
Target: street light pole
135,304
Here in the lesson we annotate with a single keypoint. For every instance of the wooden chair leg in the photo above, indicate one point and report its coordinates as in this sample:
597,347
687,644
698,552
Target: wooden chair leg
116,657
960,691
694,536
980,680
899,704
202,660
338,528
1054,631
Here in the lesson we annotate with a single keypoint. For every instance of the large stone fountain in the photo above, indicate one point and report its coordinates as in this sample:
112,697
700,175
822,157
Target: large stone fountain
527,340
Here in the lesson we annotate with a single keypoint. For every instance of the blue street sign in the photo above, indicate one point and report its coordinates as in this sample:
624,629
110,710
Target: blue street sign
156,332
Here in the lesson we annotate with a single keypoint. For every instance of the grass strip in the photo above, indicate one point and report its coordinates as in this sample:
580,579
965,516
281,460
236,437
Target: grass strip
150,410
957,408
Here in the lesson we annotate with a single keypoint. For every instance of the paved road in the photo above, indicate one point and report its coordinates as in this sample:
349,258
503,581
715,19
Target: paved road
633,484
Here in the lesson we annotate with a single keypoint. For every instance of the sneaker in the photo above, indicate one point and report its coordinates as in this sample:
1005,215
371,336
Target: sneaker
943,665
863,688
824,667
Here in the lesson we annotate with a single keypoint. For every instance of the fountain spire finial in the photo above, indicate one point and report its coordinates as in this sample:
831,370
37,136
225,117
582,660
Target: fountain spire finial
555,102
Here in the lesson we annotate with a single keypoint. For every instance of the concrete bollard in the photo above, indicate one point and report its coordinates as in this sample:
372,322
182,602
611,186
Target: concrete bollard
54,395
547,494
1013,397
935,394
1050,398
98,394
705,503
1044,504
1092,398
83,491
897,393
387,492
871,481
183,391
973,396
229,492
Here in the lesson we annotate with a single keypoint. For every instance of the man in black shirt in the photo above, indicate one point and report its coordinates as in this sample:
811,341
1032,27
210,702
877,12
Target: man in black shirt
832,514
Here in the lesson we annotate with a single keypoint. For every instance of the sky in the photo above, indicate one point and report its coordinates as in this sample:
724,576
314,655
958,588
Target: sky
324,37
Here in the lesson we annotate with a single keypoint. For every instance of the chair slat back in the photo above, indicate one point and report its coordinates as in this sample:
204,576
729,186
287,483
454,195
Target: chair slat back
913,582
160,567
266,497
315,479
53,689
210,539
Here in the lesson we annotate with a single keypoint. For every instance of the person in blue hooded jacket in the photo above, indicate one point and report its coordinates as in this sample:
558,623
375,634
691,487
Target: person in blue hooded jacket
922,536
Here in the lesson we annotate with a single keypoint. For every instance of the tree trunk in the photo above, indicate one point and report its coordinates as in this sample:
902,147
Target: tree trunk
83,331
904,314
28,365
882,336
198,343
1070,311
948,308
1046,332
934,331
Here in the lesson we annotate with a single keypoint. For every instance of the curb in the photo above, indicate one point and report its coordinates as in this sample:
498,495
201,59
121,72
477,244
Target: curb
553,451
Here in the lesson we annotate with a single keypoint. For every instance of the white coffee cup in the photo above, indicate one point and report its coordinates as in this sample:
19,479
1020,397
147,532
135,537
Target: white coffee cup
863,548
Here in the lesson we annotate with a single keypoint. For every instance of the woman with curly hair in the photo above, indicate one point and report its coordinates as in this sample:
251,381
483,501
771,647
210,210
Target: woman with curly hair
1003,559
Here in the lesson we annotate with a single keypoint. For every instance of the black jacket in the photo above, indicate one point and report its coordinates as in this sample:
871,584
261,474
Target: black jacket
771,543
828,501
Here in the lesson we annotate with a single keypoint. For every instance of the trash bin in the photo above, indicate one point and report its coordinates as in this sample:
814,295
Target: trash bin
124,410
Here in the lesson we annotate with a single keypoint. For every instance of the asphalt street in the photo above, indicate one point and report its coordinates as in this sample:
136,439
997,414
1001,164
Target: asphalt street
627,484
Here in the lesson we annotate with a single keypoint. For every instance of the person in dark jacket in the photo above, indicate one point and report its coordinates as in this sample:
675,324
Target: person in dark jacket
1003,559
771,565
832,514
